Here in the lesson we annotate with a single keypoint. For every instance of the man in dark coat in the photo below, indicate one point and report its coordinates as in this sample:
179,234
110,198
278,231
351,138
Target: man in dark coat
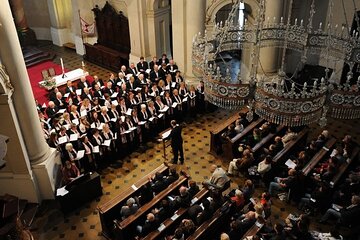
176,142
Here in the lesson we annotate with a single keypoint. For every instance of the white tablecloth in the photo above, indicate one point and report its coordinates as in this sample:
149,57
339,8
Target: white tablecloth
72,76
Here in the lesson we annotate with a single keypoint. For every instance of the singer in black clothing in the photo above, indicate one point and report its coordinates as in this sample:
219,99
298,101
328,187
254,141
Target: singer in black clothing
176,142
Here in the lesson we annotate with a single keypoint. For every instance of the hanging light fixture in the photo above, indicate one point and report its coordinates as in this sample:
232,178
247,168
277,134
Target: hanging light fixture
280,99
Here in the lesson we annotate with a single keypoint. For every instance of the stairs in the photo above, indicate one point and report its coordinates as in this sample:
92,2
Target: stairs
33,56
10,207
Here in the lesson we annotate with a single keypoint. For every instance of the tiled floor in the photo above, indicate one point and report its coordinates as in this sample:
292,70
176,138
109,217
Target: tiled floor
84,223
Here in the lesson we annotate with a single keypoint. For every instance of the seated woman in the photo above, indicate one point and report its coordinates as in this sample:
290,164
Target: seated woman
243,163
129,209
69,172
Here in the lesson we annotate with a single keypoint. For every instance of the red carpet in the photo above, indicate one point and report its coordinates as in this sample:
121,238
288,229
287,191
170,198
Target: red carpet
35,76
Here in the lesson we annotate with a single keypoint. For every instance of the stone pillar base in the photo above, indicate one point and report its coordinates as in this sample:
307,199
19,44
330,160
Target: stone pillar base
27,37
20,185
60,36
46,175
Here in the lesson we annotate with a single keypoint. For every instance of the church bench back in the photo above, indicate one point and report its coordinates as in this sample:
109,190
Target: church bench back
254,229
319,155
125,228
345,166
110,210
265,141
202,232
229,146
181,212
289,147
220,128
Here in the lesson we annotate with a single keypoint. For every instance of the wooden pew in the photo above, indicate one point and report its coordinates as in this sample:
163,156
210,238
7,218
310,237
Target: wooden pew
295,143
229,146
345,166
202,232
267,139
216,132
124,229
318,156
176,218
111,209
253,230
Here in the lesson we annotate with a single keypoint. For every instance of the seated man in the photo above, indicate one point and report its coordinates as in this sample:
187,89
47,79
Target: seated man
184,199
69,172
218,178
151,224
282,183
158,183
348,215
173,176
193,188
129,209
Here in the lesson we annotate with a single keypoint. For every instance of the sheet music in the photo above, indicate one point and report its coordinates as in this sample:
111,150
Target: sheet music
61,191
107,143
80,154
66,95
174,105
93,125
114,95
122,118
128,112
166,134
73,137
151,119
160,115
83,113
142,123
174,217
137,89
96,149
101,126
115,136
78,92
161,227
62,110
164,109
194,200
290,164
173,84
75,121
63,140
115,102
113,119
185,99
148,70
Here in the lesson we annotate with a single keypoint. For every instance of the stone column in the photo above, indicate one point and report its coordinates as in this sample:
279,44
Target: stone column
188,19
269,57
136,28
60,33
27,36
24,103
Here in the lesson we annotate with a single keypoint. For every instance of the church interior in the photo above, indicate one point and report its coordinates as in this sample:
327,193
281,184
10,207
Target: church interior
180,119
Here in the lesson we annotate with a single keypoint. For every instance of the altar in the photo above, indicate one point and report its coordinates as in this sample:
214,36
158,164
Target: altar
69,76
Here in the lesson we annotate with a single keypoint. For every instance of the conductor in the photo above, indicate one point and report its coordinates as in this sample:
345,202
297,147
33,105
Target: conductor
176,142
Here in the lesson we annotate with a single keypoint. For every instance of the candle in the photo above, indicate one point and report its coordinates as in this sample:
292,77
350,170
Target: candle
62,64
82,64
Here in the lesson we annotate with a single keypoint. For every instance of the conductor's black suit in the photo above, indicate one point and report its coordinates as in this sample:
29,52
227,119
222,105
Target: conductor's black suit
177,144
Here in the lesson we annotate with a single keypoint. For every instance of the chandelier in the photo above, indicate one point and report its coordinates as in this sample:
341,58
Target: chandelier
281,98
